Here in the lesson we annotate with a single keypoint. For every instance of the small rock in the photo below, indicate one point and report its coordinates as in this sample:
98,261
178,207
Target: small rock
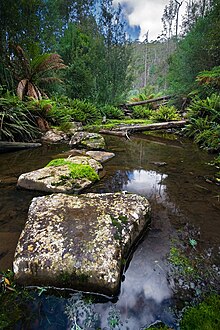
100,156
159,163
87,140
55,136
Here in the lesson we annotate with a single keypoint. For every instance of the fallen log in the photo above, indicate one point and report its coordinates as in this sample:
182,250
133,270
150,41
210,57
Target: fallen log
125,130
154,126
15,146
133,104
111,132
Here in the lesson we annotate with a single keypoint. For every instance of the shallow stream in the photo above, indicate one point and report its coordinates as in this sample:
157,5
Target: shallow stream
171,174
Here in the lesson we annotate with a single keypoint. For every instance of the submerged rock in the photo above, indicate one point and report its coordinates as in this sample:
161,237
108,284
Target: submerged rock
87,140
79,242
59,178
100,156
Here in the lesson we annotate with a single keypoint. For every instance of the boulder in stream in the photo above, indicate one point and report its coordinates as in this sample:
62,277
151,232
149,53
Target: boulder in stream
87,140
79,242
100,156
55,136
61,176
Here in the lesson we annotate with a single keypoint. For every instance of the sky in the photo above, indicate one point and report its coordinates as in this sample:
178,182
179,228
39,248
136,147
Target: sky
144,16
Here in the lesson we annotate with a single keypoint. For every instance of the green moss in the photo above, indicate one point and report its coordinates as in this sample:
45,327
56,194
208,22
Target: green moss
205,316
69,278
114,123
160,327
118,224
77,171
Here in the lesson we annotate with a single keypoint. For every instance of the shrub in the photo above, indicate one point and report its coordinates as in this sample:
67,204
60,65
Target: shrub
204,122
165,113
16,121
209,107
67,110
112,112
140,111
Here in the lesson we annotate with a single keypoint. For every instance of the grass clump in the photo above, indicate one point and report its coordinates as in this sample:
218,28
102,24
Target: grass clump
77,171
205,316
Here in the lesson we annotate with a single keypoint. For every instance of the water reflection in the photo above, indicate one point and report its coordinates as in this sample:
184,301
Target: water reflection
148,183
145,293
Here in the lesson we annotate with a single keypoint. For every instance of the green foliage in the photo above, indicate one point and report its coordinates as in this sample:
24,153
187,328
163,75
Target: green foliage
140,111
30,73
205,316
40,107
216,163
204,122
67,110
114,319
112,112
210,77
77,171
12,301
16,121
192,270
165,113
197,52
178,259
160,327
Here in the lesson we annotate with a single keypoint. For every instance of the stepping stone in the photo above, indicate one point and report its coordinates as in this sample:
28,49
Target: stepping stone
80,242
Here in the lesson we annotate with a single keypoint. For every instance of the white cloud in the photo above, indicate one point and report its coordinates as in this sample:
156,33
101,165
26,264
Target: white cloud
145,13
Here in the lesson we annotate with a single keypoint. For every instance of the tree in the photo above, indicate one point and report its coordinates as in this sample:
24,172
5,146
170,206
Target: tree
117,52
194,10
198,51
30,73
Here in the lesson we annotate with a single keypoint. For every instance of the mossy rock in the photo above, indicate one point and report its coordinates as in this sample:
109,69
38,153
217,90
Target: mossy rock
93,141
69,175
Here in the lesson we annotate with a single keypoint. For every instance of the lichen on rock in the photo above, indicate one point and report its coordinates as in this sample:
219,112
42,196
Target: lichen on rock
79,241
87,140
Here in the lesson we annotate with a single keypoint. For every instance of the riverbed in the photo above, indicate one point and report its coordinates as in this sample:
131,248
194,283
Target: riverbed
174,175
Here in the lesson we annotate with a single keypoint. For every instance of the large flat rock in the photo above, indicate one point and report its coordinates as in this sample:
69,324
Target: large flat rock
58,178
79,242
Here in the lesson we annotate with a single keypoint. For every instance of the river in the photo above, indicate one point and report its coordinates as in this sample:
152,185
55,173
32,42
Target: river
173,174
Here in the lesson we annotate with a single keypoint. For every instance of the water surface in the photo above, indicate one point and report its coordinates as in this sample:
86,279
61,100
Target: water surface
178,194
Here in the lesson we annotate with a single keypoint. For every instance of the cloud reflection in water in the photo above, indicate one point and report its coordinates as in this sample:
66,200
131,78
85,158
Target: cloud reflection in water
148,183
